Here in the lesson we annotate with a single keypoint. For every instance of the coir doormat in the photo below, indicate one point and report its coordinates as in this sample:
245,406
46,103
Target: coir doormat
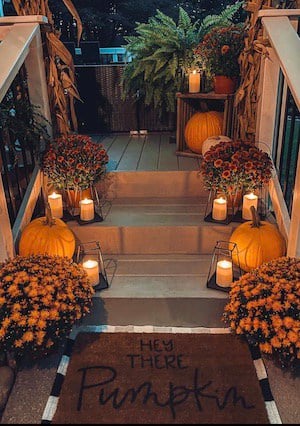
152,378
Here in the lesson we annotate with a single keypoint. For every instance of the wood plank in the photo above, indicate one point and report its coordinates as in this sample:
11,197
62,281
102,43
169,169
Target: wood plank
167,155
28,204
116,151
14,48
186,163
150,153
106,141
132,154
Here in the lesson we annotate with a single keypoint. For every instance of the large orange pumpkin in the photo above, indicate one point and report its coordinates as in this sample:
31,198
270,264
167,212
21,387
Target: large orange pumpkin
257,242
46,235
201,126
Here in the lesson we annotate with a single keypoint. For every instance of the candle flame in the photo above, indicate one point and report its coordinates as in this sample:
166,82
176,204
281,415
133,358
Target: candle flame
90,263
225,264
194,72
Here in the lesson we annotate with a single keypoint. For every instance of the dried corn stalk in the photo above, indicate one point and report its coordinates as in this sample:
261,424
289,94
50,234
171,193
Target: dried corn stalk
59,65
246,98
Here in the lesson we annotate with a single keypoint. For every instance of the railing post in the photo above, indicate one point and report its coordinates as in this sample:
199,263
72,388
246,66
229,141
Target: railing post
294,235
36,79
6,237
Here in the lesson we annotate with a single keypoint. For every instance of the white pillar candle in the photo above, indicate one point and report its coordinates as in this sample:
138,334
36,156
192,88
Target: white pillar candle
194,82
224,275
219,211
248,201
87,209
92,269
56,205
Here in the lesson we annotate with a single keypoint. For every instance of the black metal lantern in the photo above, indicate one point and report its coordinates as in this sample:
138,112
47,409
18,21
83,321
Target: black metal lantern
89,255
224,267
222,208
86,209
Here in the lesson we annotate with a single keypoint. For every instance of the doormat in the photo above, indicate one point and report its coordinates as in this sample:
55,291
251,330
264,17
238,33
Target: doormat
185,376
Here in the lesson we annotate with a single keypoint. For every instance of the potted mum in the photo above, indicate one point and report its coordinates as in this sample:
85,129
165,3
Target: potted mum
264,307
219,52
74,163
41,297
235,167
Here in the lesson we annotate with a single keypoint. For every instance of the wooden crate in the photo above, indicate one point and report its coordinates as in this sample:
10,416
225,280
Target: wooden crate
190,103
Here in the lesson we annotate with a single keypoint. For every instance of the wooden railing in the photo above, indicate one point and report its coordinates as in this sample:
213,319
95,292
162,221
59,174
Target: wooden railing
280,26
21,43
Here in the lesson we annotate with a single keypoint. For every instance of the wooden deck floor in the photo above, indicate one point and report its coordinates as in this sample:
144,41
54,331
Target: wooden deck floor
151,152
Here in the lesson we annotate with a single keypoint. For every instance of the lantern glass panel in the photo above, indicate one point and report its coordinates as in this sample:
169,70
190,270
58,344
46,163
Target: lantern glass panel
224,267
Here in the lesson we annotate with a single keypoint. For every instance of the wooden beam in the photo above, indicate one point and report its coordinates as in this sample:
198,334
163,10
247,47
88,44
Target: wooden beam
36,79
28,204
285,42
14,49
29,19
6,238
294,235
281,212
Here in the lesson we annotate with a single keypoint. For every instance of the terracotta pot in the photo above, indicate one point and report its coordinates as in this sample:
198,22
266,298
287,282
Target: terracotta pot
74,196
224,85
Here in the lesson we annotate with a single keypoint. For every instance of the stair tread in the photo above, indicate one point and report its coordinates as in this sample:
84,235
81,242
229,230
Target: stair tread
153,212
153,276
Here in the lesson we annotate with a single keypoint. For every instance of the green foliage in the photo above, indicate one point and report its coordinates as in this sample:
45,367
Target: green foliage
163,53
26,125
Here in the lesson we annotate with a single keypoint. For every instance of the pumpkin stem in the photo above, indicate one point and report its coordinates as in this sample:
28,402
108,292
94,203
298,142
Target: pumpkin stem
255,218
50,221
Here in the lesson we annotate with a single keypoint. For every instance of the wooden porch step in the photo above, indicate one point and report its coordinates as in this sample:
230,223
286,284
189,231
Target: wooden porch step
154,226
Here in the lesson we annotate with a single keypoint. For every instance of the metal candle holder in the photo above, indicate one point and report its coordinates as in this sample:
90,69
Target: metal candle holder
92,250
223,250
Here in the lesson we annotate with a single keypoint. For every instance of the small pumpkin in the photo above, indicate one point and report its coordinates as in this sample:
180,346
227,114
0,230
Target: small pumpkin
257,242
201,126
212,141
46,235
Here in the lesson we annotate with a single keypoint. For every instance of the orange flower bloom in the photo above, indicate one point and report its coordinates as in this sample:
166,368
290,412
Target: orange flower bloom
266,348
28,336
288,322
293,337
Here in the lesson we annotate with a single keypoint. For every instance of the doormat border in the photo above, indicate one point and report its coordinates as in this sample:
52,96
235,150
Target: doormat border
260,369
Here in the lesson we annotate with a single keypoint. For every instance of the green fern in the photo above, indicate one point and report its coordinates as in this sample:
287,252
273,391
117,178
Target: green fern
162,54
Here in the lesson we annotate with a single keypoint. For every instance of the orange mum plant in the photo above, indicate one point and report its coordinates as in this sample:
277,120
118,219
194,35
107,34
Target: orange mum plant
41,297
264,306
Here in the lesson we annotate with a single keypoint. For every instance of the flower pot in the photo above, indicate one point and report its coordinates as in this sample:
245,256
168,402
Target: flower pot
224,85
75,195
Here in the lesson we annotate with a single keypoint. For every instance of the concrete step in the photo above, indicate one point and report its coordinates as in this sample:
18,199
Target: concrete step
153,184
158,290
163,276
154,226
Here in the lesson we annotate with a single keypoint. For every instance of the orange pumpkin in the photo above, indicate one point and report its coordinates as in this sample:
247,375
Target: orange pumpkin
46,235
257,242
201,126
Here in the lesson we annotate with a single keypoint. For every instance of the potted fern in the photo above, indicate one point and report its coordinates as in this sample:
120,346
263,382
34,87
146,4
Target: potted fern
163,55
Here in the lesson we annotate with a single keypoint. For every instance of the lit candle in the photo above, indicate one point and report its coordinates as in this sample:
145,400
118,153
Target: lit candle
224,276
86,209
56,205
248,201
219,211
194,82
92,269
